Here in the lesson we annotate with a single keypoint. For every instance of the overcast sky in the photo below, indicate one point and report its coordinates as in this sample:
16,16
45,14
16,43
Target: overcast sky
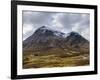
64,22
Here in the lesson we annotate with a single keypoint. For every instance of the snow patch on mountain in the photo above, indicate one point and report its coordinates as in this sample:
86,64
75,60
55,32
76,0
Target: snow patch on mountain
57,33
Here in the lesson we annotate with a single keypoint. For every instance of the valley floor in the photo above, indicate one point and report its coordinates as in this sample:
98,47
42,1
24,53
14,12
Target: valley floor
47,61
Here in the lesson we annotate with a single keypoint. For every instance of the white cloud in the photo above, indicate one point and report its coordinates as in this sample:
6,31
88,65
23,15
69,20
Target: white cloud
27,28
86,33
64,22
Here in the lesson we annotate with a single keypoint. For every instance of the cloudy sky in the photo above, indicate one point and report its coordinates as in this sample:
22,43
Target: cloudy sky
64,22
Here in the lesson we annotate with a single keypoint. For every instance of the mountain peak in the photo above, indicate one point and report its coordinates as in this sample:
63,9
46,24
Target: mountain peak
44,27
47,31
74,33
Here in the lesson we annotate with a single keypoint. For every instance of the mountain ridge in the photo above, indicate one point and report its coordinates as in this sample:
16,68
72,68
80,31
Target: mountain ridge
45,38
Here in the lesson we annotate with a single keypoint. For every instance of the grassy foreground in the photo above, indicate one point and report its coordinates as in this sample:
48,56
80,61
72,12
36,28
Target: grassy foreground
47,61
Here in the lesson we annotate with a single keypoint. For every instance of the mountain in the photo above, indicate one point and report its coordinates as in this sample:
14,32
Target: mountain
45,39
76,41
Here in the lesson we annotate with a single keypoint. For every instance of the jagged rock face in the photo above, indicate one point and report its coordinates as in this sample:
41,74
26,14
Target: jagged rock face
45,38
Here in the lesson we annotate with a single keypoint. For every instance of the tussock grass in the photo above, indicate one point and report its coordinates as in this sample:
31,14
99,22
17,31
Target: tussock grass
51,60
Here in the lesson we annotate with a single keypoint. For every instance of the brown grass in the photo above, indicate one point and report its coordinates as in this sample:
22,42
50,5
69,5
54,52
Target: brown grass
39,61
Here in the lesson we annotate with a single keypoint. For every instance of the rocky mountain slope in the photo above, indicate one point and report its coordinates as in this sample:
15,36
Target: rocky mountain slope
45,38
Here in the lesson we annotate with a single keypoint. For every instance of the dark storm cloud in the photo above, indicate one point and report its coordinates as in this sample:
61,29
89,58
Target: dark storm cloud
65,22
